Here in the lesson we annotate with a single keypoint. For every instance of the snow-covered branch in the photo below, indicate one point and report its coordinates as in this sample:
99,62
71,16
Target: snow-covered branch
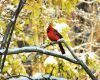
46,45
89,2
76,60
84,66
37,49
39,77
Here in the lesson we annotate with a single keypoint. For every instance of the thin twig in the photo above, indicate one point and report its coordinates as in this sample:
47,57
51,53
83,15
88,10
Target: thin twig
51,72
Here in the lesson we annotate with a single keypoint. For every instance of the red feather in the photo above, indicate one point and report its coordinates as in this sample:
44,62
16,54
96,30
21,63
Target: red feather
54,35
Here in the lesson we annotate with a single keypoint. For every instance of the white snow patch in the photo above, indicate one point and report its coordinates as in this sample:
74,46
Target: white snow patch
1,38
0,4
44,7
83,57
10,7
6,63
20,78
56,50
13,19
60,26
38,75
98,17
10,69
68,54
91,54
50,11
50,60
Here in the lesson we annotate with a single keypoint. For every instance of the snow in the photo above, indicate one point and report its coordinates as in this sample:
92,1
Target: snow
91,55
38,75
50,11
44,7
1,38
6,63
10,6
98,16
50,60
69,55
13,19
0,4
20,78
60,26
82,57
10,70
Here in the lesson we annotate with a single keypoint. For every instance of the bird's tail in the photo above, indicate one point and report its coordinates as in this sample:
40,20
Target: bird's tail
61,48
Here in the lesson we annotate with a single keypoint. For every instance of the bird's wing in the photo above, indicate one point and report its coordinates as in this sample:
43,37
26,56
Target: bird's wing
57,33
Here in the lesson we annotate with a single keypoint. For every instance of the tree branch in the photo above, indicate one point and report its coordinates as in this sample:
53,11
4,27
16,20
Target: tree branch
84,66
46,45
37,49
89,2
52,53
16,76
9,31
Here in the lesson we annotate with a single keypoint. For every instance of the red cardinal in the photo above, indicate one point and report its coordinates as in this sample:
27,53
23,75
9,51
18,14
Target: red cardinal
54,35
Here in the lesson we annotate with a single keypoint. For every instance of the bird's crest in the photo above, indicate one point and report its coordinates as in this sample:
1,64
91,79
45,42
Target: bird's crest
50,24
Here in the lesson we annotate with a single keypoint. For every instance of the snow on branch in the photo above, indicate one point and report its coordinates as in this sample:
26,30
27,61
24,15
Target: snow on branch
76,60
88,2
84,66
37,49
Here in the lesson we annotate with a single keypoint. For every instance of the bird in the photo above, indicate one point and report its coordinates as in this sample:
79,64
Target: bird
54,35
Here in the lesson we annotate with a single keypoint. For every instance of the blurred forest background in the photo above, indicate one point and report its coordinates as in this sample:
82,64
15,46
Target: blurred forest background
77,20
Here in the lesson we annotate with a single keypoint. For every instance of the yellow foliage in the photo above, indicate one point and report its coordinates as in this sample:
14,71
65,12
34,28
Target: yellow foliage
15,2
49,68
14,66
37,15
